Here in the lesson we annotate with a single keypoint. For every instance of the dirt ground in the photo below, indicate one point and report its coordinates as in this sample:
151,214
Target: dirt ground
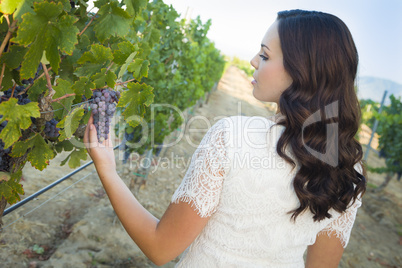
73,225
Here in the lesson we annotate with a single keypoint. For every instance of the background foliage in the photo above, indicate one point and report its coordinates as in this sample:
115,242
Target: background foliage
56,52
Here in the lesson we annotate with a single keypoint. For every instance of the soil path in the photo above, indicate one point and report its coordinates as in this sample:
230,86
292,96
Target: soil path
76,226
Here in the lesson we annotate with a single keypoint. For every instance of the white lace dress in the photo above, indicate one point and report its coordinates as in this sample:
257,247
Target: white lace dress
237,178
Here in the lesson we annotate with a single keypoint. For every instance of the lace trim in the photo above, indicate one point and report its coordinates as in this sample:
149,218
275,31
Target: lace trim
342,227
202,183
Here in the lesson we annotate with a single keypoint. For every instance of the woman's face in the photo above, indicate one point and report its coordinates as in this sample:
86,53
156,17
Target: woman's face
270,76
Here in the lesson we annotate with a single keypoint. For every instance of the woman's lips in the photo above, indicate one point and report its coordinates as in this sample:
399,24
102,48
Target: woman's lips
254,82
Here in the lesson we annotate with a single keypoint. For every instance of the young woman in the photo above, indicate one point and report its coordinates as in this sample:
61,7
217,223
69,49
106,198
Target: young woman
261,198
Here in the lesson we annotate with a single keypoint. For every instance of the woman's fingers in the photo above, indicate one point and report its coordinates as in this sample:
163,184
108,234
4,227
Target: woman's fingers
86,133
93,138
90,136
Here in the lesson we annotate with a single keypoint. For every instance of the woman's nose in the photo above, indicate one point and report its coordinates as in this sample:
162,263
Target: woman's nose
254,62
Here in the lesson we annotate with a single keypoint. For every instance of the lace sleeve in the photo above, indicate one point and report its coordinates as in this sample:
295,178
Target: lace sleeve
342,226
202,183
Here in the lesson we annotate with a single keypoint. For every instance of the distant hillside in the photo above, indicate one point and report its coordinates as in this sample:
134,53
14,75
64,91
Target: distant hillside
373,88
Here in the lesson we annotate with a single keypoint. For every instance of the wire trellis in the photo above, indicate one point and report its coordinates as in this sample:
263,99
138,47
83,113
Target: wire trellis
46,201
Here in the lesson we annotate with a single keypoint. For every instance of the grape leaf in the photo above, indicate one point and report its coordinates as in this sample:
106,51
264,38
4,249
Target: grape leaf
124,67
5,190
152,36
134,6
63,88
113,20
83,87
65,145
19,6
55,32
37,88
126,48
39,154
70,123
100,3
7,79
134,101
74,158
139,68
14,56
18,117
94,60
103,77
17,190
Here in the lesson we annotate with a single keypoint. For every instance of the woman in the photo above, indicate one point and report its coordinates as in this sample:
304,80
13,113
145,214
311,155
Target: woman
260,198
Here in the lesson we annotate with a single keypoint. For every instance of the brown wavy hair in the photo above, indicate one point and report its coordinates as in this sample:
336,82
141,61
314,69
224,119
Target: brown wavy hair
320,55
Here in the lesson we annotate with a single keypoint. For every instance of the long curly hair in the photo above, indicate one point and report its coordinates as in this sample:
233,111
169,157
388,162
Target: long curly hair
321,111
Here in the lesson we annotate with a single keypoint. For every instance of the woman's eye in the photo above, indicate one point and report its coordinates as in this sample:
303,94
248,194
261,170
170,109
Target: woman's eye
263,57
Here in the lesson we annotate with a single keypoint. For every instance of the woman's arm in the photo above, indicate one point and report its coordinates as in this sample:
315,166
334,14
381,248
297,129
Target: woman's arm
161,241
332,240
325,252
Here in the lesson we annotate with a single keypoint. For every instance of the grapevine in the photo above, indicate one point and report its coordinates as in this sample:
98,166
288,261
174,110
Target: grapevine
56,55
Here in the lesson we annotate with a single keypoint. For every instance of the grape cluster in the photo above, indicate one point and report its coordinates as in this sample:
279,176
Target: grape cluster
51,131
22,99
4,152
103,108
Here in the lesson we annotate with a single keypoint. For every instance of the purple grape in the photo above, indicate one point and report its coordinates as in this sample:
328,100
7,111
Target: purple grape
103,109
51,131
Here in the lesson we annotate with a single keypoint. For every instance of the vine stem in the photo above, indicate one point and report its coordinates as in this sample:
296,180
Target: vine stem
110,66
63,97
2,73
8,35
12,91
89,23
125,82
49,83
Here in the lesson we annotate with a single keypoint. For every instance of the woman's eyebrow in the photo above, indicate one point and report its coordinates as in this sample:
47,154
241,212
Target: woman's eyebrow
262,45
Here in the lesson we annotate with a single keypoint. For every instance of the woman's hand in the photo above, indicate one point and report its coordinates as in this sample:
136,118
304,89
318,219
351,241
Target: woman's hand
101,153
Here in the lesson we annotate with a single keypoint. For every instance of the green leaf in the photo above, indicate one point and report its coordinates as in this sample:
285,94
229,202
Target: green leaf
14,56
74,158
139,68
83,87
19,6
63,88
46,30
102,78
135,6
125,50
18,117
94,60
124,67
37,88
32,59
70,123
5,190
65,145
68,33
152,36
110,79
39,152
11,190
7,79
113,20
134,101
